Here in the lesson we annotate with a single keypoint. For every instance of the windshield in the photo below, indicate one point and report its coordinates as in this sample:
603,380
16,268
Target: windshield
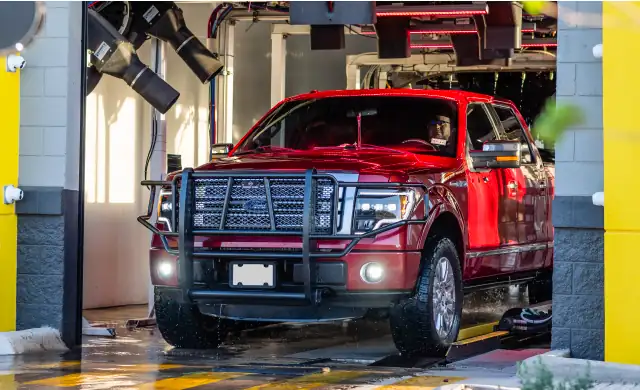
415,124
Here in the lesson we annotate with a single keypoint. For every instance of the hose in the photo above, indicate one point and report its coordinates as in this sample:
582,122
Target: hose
212,86
534,313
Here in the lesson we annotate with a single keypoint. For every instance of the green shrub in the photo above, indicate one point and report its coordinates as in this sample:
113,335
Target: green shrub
541,378
555,120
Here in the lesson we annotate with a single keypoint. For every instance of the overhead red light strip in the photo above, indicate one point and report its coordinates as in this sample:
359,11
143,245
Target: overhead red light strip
431,13
442,32
448,46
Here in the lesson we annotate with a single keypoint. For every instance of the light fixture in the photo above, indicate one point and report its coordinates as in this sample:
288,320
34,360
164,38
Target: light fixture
165,270
372,273
597,50
374,209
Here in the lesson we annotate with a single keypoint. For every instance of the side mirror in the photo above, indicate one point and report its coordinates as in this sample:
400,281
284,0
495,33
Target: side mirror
497,154
220,150
174,163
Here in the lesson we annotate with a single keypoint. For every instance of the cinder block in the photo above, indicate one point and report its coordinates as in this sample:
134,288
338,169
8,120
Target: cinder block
562,278
565,11
565,147
57,4
45,52
40,259
560,338
576,45
43,111
39,289
587,344
588,279
566,81
588,79
32,82
579,178
591,9
41,230
578,311
56,23
42,171
591,108
578,246
56,81
31,141
55,141
588,145
30,316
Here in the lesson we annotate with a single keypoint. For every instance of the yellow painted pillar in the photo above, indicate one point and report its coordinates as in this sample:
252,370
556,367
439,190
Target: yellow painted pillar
9,137
621,81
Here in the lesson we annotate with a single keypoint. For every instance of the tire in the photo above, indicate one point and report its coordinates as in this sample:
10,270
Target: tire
541,289
413,325
183,326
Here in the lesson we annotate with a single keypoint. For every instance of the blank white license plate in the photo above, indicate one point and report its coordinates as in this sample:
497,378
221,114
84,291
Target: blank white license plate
252,275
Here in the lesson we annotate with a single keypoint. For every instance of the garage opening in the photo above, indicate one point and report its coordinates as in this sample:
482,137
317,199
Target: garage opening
194,108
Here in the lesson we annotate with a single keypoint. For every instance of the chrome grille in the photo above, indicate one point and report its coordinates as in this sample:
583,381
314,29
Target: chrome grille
247,206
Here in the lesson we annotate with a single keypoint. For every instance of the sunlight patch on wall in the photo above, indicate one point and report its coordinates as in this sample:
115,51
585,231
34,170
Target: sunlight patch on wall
122,153
95,158
91,118
184,142
203,136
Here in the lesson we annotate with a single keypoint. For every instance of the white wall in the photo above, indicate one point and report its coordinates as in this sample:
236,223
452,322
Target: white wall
188,120
118,131
118,121
116,266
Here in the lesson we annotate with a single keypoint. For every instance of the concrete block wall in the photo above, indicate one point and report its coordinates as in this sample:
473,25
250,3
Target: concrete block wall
578,281
50,117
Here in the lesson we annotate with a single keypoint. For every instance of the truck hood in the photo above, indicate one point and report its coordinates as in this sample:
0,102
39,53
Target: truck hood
364,162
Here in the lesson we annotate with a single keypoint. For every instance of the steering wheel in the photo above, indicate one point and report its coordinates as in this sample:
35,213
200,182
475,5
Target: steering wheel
419,141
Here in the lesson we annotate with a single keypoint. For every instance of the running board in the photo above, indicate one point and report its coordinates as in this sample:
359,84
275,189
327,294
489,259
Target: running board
479,339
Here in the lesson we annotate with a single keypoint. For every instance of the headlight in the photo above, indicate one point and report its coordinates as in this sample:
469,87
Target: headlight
165,208
374,209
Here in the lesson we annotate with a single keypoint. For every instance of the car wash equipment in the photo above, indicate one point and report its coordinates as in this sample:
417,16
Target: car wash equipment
112,54
164,20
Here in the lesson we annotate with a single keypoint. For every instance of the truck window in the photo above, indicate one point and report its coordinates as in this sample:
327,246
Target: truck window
415,124
514,131
479,126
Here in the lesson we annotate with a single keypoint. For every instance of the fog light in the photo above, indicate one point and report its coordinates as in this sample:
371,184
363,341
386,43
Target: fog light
165,270
372,272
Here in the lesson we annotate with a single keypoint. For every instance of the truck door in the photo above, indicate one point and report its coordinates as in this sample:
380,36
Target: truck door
492,211
531,183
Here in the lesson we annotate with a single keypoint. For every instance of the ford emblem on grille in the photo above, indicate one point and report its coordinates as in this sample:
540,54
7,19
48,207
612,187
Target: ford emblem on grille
255,205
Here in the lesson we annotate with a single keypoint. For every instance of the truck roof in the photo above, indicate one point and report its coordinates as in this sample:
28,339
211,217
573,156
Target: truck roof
435,93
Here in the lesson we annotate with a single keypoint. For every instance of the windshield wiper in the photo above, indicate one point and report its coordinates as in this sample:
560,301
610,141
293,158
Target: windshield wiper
265,149
378,147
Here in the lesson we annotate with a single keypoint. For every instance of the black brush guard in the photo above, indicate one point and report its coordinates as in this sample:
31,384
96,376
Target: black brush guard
186,232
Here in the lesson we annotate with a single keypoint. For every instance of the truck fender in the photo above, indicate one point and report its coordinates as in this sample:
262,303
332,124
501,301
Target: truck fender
442,201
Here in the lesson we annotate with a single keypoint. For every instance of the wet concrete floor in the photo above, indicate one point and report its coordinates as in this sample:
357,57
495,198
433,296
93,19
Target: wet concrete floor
286,356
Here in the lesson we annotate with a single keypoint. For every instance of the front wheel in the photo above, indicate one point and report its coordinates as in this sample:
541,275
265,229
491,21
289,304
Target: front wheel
428,322
183,326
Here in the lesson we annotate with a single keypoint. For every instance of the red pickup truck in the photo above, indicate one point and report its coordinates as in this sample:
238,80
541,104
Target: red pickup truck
339,204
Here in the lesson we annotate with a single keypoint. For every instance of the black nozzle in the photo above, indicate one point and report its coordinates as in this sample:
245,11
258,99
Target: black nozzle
151,87
112,54
171,28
